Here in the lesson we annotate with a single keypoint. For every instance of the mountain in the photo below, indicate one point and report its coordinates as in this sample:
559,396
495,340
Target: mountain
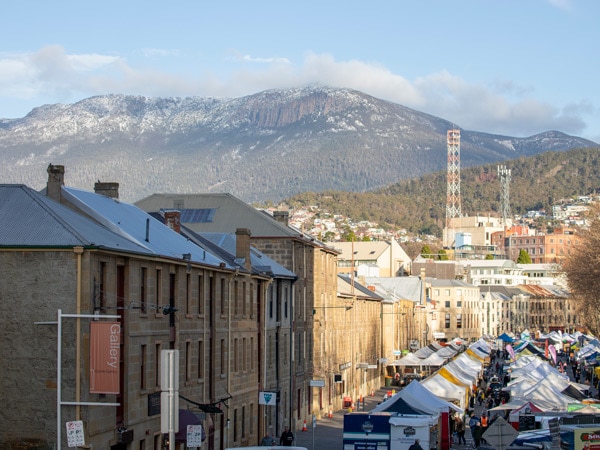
267,146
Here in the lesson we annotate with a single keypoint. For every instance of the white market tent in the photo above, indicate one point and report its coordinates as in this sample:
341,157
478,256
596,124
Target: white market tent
409,360
433,360
443,388
447,352
416,395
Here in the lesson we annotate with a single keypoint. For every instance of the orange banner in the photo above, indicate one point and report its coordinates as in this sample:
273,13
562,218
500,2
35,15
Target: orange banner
105,356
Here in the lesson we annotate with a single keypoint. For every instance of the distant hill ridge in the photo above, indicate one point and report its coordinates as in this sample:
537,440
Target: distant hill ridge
267,146
419,205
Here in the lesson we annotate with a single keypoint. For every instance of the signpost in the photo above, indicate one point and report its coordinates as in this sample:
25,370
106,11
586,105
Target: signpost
500,434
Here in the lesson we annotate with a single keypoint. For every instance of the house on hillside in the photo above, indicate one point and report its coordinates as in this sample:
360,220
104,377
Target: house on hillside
373,258
313,262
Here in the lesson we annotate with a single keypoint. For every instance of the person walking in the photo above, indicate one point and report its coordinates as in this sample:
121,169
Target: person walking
459,425
416,445
475,426
287,438
268,441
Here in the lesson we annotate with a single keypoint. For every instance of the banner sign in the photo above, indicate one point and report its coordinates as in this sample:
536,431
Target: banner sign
105,356
267,398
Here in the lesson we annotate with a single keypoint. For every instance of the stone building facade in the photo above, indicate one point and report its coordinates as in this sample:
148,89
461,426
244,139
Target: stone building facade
313,262
181,298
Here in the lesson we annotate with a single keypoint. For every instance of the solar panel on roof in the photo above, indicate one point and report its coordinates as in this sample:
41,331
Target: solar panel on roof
204,215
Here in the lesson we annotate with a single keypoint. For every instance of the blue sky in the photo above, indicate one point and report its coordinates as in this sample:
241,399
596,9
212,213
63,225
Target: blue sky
514,67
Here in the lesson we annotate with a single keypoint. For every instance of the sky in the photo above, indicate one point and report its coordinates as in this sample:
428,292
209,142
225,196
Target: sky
511,67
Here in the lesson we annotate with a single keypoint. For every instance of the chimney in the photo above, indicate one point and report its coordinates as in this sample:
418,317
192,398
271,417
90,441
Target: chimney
282,217
173,220
107,189
56,180
242,247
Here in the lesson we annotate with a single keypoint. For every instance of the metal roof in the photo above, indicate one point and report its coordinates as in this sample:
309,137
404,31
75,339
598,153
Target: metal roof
134,224
260,262
224,213
30,219
345,287
227,213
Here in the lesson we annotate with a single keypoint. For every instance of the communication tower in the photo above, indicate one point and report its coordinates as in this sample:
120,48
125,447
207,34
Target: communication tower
504,175
453,190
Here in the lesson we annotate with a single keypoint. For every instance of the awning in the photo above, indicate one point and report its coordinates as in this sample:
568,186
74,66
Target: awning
187,417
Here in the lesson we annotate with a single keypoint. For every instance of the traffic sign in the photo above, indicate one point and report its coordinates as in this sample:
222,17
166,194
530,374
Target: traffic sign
500,434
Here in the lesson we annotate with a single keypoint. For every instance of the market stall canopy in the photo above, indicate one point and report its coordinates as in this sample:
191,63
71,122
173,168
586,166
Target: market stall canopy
433,360
443,388
446,352
409,360
415,394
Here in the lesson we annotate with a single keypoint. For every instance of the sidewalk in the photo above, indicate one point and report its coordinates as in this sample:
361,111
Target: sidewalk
328,433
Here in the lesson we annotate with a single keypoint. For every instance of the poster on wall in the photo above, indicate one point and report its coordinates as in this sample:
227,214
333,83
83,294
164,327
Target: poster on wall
105,356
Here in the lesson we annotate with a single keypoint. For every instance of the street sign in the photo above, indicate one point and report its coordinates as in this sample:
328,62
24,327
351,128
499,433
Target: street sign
75,436
317,383
500,434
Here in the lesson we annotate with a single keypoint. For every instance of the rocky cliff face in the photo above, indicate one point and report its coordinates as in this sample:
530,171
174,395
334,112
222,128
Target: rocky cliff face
266,146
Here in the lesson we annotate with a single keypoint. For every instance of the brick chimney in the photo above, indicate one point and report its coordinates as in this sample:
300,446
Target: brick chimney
282,217
173,219
56,180
242,247
107,189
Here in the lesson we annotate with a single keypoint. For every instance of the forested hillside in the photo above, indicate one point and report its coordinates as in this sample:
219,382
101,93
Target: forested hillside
419,204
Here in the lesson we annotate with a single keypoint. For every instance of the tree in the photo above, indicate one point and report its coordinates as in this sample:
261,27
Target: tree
489,256
524,257
426,252
442,255
583,274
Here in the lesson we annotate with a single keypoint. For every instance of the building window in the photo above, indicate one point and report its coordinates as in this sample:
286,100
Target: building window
235,355
223,357
200,294
157,349
222,296
188,294
102,287
235,425
188,361
143,290
447,303
447,292
447,321
143,367
244,294
200,360
236,297
459,321
271,301
158,288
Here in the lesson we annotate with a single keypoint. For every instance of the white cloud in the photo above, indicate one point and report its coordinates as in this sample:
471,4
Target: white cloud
159,52
502,107
562,4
